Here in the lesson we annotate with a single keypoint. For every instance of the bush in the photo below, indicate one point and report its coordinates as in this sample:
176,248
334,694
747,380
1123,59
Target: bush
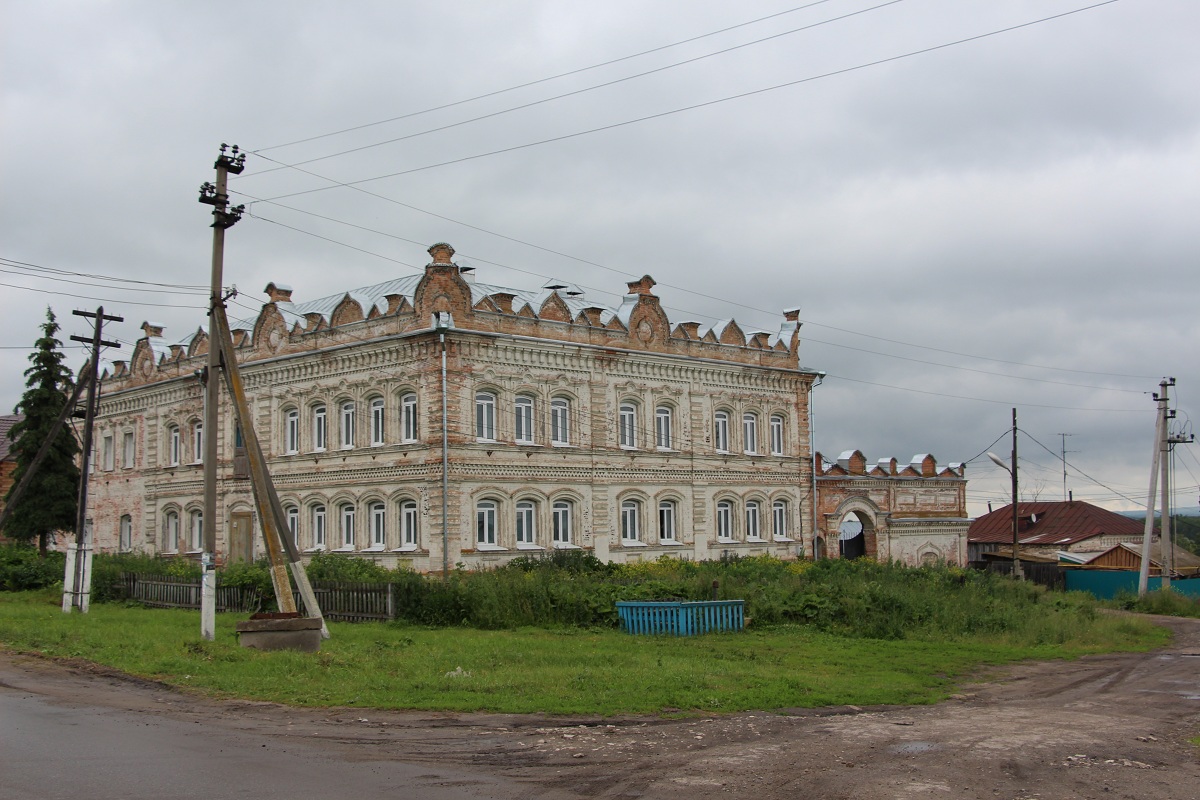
21,569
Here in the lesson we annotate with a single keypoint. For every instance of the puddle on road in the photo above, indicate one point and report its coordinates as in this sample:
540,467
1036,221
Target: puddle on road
914,748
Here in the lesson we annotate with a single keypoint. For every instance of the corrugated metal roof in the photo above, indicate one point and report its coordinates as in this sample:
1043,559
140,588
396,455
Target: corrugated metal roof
1049,523
6,423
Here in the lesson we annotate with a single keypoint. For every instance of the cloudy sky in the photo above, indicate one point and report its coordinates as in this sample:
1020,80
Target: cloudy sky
976,207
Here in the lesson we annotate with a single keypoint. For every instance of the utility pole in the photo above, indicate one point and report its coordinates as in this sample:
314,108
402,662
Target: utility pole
1160,438
77,578
223,217
1168,523
1064,460
1011,469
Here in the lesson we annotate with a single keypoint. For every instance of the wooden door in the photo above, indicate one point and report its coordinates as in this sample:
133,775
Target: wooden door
241,537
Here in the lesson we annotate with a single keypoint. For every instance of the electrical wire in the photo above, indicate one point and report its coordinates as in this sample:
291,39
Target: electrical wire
99,299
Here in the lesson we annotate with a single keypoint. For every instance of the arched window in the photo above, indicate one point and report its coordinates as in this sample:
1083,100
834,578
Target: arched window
631,513
320,432
777,435
378,417
485,523
560,519
627,425
779,519
409,532
724,521
666,521
485,416
523,419
125,534
173,446
526,523
408,417
347,425
753,521
318,527
347,526
378,526
560,424
291,431
293,522
750,433
721,431
662,428
197,442
170,536
196,531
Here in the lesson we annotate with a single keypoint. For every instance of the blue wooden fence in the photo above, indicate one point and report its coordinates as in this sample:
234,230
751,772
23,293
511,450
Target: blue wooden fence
1105,584
681,619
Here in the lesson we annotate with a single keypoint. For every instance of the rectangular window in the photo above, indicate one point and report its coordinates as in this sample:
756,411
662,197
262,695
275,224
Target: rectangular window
347,527
347,426
125,543
526,526
408,417
318,519
173,446
523,419
561,521
666,521
627,425
662,428
291,432
485,416
128,451
560,429
106,452
170,541
198,442
724,521
378,525
776,435
293,523
629,521
721,432
750,433
377,419
779,521
485,523
752,521
319,430
408,524
196,543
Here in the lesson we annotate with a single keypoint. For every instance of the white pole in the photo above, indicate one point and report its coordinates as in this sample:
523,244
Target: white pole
1159,435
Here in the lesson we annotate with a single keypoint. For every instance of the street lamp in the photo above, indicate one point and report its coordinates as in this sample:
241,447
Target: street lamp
1012,470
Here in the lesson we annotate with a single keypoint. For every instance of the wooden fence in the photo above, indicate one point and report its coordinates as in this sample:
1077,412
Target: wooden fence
339,600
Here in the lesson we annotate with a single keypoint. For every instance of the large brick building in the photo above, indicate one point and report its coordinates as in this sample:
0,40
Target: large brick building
555,423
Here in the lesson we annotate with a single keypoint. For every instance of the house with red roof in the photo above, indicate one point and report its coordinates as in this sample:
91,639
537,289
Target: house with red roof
1049,527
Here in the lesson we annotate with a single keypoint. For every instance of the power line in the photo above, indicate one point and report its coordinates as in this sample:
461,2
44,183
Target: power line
99,299
39,268
1077,469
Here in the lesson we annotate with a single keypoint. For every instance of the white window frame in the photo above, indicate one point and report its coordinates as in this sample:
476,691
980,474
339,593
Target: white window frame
346,426
724,521
408,417
560,421
410,532
196,531
106,453
753,516
320,415
197,442
293,522
750,433
721,431
627,436
485,416
662,428
779,520
319,531
125,533
526,522
378,513
667,519
631,512
560,522
346,526
128,450
174,445
523,419
291,431
777,434
378,419
485,523
170,542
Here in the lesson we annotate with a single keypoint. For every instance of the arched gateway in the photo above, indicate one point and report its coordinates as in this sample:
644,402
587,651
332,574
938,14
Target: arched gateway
916,514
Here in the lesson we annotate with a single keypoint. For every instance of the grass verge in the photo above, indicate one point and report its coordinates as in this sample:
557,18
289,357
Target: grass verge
559,671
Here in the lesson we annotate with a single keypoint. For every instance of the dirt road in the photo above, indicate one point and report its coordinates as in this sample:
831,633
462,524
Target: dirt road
1111,726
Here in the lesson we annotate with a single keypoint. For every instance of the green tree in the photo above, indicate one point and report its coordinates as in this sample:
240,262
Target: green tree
50,503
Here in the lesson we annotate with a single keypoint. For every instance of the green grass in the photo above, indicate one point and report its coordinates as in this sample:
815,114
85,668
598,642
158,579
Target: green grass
557,671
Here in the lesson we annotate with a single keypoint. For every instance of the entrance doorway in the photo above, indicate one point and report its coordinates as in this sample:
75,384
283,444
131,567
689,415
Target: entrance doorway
241,537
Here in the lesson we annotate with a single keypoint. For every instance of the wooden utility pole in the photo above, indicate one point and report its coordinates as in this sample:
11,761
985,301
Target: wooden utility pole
1016,565
223,217
77,578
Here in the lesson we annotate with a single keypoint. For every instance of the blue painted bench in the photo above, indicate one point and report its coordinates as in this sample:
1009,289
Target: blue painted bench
673,618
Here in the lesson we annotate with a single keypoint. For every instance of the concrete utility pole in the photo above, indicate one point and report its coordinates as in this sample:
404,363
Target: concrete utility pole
77,578
1168,524
1160,438
223,217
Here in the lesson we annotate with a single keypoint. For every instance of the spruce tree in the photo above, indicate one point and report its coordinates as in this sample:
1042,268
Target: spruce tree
50,503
